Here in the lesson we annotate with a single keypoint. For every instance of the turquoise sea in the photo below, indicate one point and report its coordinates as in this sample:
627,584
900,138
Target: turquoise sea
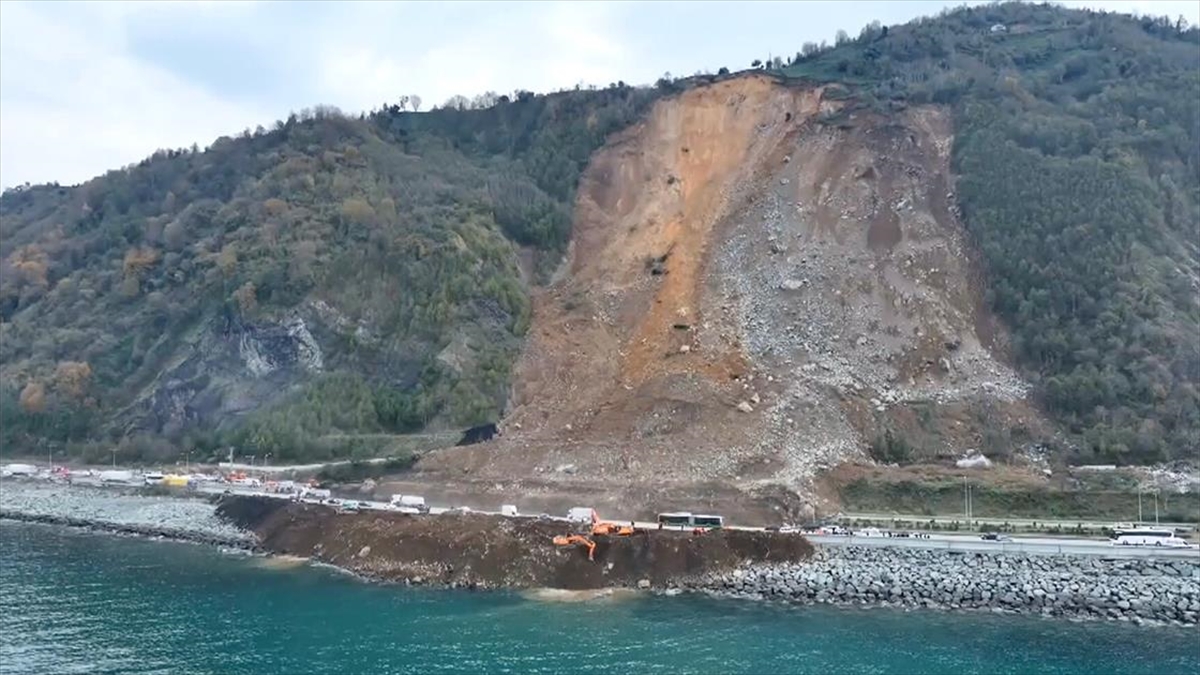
78,602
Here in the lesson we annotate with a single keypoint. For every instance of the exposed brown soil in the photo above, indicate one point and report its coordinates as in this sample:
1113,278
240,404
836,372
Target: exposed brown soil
489,551
751,296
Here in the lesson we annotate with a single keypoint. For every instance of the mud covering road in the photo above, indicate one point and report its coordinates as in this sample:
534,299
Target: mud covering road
492,552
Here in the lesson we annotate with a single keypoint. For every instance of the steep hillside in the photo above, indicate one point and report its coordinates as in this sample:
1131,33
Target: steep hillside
752,295
971,232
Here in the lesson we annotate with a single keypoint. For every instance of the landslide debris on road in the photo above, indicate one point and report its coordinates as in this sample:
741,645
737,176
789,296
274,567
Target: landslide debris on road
492,551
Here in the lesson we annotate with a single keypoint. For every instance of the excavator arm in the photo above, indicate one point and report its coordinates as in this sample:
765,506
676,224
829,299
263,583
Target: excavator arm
577,539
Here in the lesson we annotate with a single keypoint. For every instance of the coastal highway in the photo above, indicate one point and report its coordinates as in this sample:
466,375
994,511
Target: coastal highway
953,542
1016,522
1032,545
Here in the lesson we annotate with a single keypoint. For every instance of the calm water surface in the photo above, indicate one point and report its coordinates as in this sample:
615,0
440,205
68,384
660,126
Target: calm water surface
76,602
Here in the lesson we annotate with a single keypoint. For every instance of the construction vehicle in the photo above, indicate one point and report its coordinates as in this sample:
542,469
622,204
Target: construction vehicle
612,529
571,540
603,529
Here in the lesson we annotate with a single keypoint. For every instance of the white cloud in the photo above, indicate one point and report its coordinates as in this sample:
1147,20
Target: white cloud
539,46
76,99
74,103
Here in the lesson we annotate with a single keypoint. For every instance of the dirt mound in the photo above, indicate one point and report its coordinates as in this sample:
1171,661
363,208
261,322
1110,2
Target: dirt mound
754,293
492,551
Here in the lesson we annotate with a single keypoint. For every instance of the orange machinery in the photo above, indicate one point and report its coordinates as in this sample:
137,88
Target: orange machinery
571,540
601,528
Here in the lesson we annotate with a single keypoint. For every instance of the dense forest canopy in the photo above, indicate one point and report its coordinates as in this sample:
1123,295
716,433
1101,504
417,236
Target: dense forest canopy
1078,153
1077,148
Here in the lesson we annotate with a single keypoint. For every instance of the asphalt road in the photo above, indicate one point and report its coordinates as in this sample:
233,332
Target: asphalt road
953,542
1091,524
1034,545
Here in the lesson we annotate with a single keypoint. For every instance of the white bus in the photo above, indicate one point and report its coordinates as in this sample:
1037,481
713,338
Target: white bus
685,519
1148,536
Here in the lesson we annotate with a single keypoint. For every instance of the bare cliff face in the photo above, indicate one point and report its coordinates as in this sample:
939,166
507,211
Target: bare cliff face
756,292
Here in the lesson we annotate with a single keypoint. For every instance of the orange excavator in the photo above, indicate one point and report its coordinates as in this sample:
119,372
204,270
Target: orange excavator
601,528
571,540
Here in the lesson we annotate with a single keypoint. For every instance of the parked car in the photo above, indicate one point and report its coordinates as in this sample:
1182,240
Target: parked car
995,536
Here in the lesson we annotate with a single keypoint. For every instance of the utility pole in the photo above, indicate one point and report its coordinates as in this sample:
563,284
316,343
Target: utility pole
966,504
1139,506
1156,507
114,454
970,506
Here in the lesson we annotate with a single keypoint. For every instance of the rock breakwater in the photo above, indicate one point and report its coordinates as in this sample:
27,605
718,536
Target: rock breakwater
101,509
1161,590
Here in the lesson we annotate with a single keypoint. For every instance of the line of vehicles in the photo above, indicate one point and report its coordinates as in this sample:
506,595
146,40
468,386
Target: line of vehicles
1123,534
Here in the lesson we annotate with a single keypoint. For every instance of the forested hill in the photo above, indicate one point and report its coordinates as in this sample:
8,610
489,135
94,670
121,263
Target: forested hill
340,277
131,305
1078,153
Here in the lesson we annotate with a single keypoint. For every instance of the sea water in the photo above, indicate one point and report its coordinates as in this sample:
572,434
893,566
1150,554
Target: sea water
79,602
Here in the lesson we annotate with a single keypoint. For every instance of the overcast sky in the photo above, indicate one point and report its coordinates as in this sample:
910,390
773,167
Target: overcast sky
85,87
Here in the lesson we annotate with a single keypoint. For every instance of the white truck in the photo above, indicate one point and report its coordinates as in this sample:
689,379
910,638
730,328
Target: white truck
410,501
582,514
509,510
315,493
116,476
19,470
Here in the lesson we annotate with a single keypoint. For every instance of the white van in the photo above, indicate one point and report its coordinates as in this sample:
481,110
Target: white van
153,478
582,514
509,510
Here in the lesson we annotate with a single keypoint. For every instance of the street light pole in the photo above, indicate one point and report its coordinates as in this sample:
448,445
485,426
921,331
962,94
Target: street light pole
1139,506
114,454
966,506
970,506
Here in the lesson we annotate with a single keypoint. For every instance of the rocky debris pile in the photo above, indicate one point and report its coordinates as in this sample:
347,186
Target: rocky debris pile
847,282
172,517
1164,590
1178,477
